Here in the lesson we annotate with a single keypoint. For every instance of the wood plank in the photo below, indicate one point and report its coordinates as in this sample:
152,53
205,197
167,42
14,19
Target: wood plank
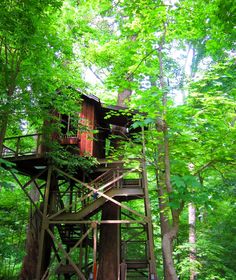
98,222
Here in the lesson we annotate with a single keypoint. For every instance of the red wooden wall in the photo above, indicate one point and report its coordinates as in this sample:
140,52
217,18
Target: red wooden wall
86,138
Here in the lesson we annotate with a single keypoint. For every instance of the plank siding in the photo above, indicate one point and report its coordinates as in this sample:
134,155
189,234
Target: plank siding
86,138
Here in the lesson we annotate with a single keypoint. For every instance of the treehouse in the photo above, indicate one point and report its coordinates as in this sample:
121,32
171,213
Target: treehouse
89,136
85,227
94,127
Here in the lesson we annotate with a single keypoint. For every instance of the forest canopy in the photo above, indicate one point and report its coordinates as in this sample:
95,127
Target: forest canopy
173,62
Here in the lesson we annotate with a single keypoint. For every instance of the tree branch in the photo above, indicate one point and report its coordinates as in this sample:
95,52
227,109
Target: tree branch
204,167
141,61
96,75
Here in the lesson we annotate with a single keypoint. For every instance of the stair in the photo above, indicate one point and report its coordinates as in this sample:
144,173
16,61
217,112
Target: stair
132,183
71,233
137,264
92,208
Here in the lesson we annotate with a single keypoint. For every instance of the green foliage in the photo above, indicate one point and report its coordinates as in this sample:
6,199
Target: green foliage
14,216
121,42
71,161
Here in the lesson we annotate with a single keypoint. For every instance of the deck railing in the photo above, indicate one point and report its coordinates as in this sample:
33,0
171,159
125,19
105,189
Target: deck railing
24,145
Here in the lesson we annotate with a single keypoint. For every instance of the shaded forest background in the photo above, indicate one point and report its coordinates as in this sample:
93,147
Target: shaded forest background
177,61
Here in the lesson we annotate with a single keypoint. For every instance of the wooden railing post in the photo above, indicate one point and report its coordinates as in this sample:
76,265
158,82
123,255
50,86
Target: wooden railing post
17,146
38,143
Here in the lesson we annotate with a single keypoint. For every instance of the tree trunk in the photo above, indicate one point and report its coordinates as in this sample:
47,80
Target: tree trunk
169,217
29,265
167,249
123,97
192,240
109,244
109,251
168,232
10,70
3,129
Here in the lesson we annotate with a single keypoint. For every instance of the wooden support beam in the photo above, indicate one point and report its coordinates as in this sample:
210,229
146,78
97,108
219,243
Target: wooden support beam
123,271
34,178
136,234
44,224
79,242
38,188
94,225
56,252
77,270
26,193
152,262
98,222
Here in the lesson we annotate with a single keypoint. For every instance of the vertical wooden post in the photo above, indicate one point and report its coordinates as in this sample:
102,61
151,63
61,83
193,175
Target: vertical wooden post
94,225
118,246
44,225
81,255
71,196
37,143
86,257
152,262
17,146
123,271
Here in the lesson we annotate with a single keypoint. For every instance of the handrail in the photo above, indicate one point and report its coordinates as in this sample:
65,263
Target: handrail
69,136
17,150
107,161
107,185
22,136
100,191
101,176
10,151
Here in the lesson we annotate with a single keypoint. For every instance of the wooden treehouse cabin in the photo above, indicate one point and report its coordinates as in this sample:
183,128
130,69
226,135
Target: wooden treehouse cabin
89,225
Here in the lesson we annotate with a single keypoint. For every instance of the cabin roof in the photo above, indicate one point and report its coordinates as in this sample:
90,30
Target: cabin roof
91,97
112,114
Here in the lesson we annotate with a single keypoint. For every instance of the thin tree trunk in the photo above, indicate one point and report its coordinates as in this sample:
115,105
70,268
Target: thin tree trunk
10,71
167,247
168,232
169,217
3,129
192,240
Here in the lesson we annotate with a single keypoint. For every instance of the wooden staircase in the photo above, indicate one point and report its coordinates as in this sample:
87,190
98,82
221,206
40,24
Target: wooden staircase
111,182
77,207
92,208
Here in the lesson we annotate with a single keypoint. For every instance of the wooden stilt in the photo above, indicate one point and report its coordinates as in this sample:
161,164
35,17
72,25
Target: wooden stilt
152,264
94,225
123,271
44,225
